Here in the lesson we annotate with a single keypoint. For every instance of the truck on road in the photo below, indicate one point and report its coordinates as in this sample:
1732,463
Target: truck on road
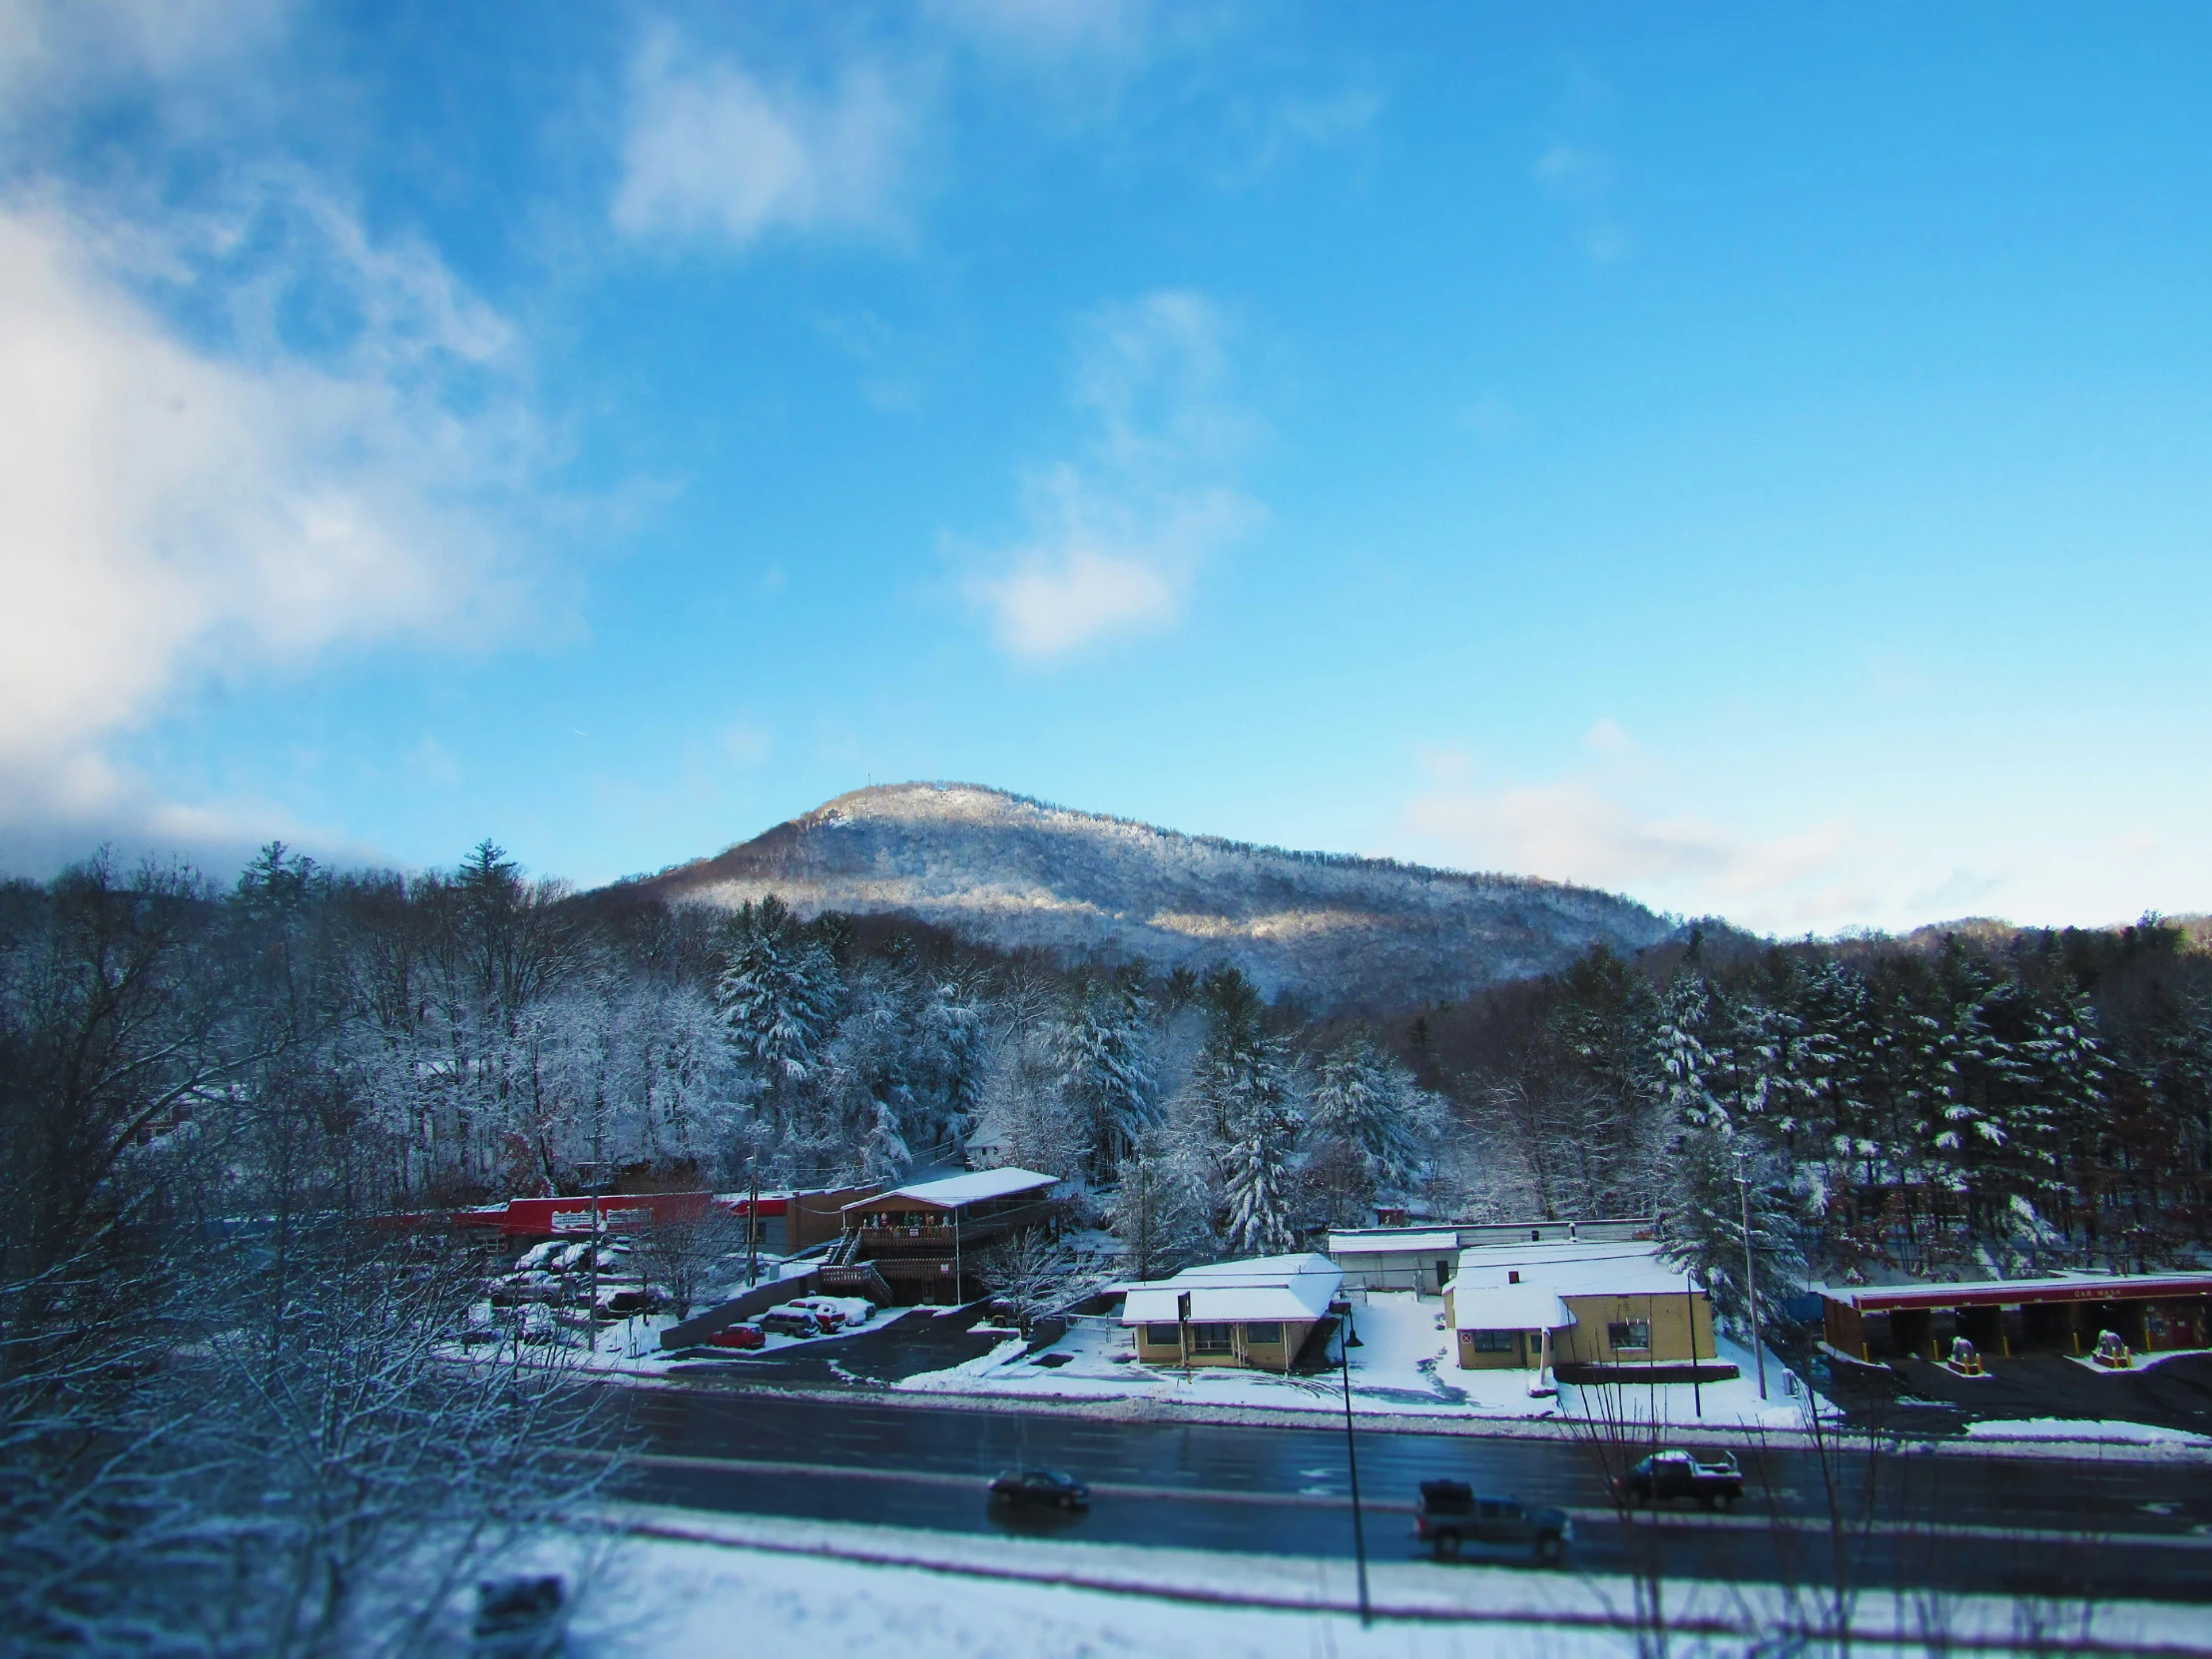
1451,1514
1667,1475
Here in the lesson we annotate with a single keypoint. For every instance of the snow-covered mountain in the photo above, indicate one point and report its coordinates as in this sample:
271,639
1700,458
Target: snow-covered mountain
1017,872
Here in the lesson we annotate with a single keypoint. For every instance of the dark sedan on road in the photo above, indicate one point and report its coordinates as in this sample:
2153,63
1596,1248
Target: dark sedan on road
1046,1488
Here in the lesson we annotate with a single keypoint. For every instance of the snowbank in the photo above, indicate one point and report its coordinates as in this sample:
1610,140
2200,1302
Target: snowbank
692,1584
2103,1431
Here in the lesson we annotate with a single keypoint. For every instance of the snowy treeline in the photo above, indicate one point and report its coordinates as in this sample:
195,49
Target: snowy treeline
231,1421
225,1424
2018,1103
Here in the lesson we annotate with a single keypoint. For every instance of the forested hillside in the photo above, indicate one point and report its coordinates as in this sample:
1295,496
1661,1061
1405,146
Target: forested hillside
373,1042
1337,931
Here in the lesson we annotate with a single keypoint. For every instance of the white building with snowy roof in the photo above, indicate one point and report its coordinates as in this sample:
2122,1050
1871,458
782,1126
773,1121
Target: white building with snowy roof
1395,1258
1257,1313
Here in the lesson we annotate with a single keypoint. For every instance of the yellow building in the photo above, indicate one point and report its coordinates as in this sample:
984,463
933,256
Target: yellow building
1614,1305
1257,1313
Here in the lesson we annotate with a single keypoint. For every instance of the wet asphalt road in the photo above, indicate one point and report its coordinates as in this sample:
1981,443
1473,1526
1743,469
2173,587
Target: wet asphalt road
1943,1520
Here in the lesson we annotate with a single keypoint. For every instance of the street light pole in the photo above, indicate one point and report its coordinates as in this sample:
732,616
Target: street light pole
1751,1277
1346,1339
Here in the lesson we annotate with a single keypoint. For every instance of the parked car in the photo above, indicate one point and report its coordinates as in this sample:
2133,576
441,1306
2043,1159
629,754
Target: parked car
1047,1489
1451,1514
1667,1475
790,1321
835,1312
518,1618
632,1300
739,1336
515,1290
537,1325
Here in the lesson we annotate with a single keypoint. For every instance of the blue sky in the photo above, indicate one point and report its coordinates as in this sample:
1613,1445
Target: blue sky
1753,458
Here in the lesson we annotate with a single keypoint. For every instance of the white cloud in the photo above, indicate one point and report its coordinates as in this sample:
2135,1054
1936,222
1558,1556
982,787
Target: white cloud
746,742
169,510
713,151
1049,29
57,49
1605,824
433,763
1581,176
1119,536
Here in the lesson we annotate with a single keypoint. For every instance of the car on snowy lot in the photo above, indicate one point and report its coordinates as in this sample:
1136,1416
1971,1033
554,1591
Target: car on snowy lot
835,1312
630,1299
1451,1514
790,1321
537,1325
1039,1488
739,1336
515,1290
1667,1475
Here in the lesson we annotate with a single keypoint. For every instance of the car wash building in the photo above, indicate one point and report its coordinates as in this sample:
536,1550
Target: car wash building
2152,1312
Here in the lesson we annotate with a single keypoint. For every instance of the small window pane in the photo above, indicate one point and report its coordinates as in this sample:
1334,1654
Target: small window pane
1629,1336
1211,1339
1271,1333
1161,1336
1495,1341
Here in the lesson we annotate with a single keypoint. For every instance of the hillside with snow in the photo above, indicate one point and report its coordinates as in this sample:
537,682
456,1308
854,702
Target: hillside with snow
1015,873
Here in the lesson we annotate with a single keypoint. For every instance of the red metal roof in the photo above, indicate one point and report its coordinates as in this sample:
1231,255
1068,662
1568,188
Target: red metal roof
2016,1292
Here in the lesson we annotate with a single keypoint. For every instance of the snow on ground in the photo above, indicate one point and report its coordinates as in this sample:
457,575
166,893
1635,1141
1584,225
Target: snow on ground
2106,1431
1403,1366
633,1345
688,1583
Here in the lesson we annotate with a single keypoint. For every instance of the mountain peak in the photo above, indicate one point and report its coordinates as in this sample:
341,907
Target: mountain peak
1014,872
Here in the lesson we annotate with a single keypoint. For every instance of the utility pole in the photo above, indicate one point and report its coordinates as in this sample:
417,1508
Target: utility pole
1688,1307
1347,1337
752,1225
1751,1277
590,1311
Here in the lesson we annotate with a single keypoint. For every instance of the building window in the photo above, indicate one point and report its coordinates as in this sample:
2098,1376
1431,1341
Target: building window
1496,1341
1212,1338
1161,1336
1266,1334
1629,1336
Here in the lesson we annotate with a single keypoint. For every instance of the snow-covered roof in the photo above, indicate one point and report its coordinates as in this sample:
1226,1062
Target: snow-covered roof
1264,1288
1390,1244
971,1188
1582,1268
1984,1293
1509,1308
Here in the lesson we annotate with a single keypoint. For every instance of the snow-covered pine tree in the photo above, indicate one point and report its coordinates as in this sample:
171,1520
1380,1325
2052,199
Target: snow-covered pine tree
1242,1104
1705,1215
1604,1020
1153,1211
2072,1082
1683,1060
1369,1125
1256,1183
1106,1073
778,991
